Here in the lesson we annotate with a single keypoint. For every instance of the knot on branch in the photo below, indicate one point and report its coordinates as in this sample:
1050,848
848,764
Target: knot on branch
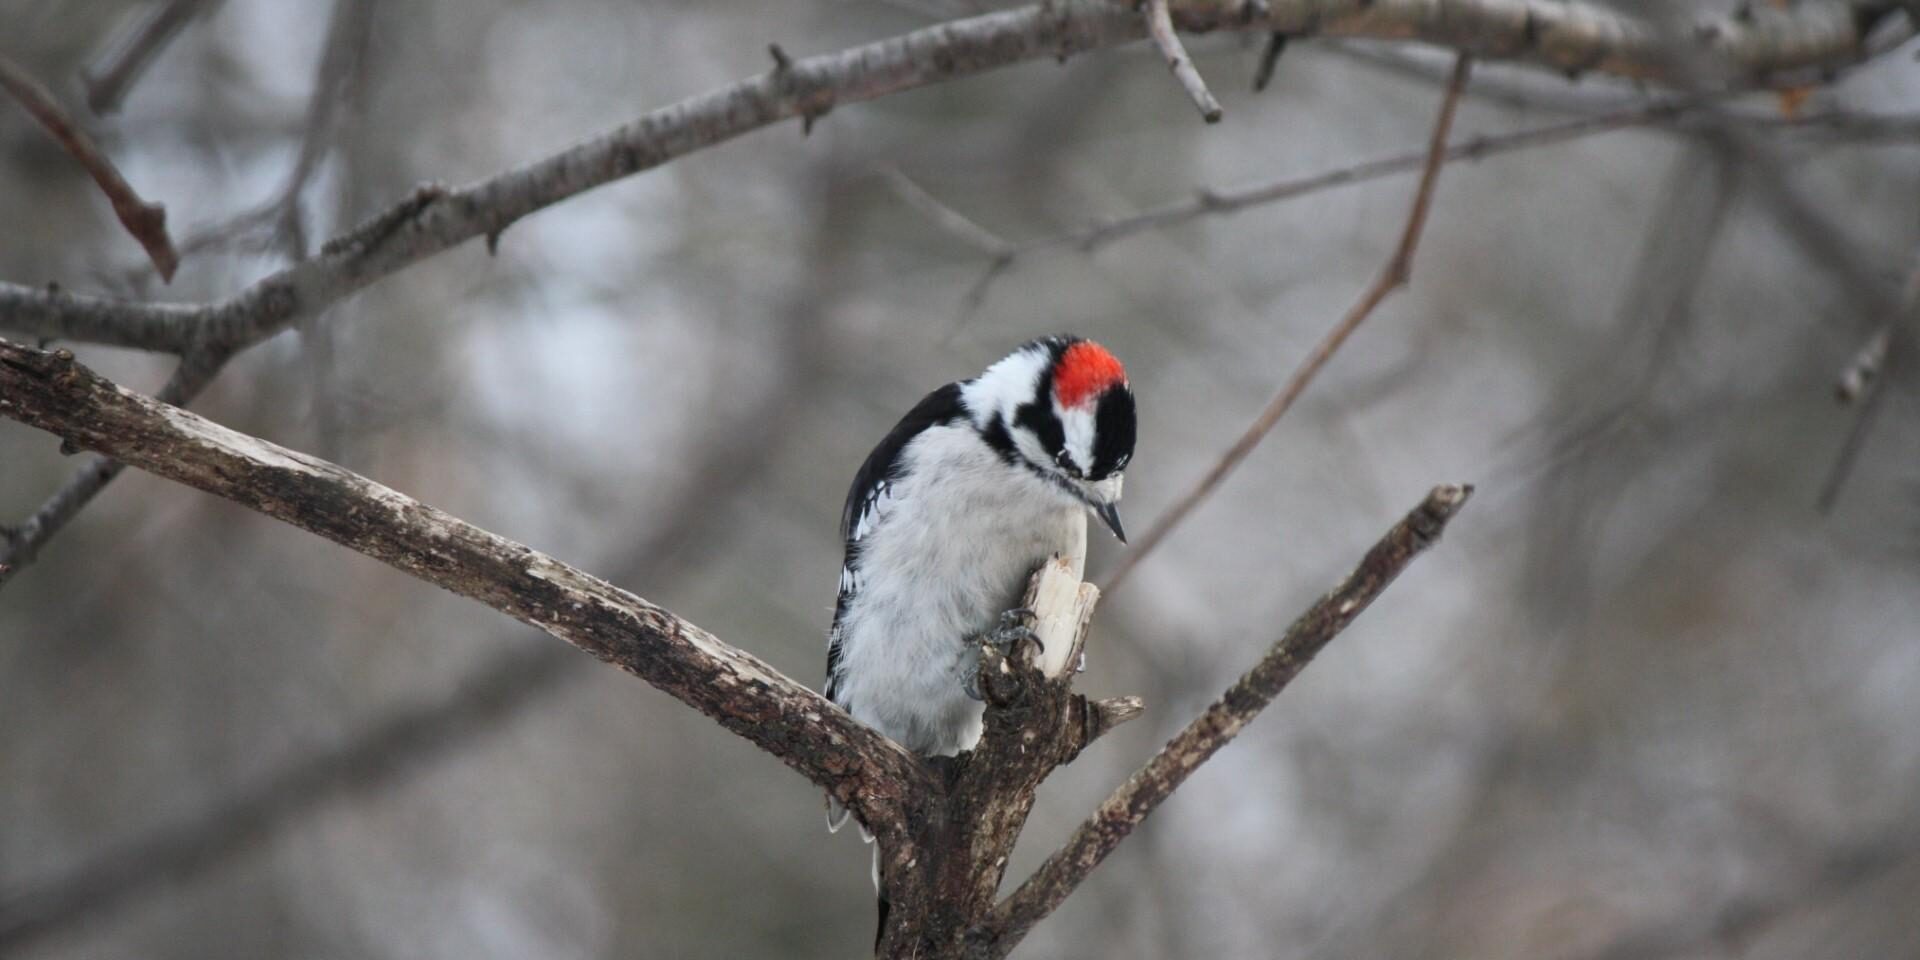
811,98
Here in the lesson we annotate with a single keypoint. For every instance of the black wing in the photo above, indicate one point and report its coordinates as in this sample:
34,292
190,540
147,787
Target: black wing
876,477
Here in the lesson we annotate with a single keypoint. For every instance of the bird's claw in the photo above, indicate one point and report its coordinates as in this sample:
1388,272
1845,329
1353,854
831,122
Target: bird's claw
1014,631
1004,645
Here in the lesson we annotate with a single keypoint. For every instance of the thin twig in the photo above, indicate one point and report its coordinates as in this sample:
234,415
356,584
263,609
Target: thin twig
945,217
145,222
1269,59
108,79
1160,27
1393,276
1128,805
1863,372
1863,386
1214,201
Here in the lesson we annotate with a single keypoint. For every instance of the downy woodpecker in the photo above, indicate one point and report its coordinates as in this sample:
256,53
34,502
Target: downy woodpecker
979,484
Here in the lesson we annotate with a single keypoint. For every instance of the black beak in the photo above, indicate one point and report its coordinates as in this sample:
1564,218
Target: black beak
1110,515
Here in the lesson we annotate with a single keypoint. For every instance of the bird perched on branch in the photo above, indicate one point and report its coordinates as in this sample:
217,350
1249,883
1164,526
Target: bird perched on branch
979,484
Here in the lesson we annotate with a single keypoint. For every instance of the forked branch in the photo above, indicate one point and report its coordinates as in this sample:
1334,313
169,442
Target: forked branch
1219,724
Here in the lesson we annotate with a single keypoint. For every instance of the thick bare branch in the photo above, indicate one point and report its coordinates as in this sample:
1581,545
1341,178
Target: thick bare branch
1556,33
1392,277
145,222
20,545
1121,812
862,769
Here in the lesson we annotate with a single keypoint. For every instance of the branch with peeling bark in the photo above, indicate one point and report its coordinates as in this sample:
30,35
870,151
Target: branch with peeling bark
1566,36
945,831
862,769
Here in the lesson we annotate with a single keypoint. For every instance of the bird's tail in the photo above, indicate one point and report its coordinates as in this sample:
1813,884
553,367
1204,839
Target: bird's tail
837,818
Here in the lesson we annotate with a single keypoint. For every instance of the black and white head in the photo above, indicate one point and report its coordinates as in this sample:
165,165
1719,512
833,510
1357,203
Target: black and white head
1060,406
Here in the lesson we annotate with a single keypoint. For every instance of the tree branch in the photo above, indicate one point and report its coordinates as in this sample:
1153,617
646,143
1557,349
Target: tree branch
1121,812
1160,27
108,80
145,222
1863,385
1392,277
1681,113
20,545
340,59
1559,34
718,474
861,768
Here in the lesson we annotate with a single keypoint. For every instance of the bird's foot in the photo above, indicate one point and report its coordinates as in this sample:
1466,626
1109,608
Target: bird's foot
1006,653
1015,631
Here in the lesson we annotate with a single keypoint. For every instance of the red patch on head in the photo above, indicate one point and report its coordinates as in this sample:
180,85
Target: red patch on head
1085,371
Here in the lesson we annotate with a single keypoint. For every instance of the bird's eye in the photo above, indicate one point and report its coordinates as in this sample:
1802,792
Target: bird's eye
1060,460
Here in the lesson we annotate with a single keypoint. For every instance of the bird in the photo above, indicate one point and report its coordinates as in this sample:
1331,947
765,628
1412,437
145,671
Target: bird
980,483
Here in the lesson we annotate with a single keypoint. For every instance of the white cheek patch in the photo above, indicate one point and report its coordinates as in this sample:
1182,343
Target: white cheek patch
1077,425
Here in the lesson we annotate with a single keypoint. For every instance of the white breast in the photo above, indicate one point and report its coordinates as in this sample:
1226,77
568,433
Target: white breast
946,550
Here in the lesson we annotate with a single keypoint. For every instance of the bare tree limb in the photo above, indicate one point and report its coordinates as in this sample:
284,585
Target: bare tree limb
145,222
21,544
1160,27
108,79
1394,275
1121,812
1555,33
340,60
498,691
859,767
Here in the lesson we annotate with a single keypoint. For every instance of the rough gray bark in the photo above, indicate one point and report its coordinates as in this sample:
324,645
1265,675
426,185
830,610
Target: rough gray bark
863,769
